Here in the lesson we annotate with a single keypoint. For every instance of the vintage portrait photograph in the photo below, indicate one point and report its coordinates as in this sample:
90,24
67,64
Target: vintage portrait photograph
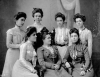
49,38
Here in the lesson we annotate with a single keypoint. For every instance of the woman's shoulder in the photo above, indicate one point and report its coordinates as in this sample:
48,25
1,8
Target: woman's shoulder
11,30
41,49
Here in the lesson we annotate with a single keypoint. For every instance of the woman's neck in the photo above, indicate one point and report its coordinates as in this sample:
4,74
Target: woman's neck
16,26
82,28
45,45
37,22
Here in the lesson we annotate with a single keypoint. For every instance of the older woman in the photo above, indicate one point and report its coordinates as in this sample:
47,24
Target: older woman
79,55
49,58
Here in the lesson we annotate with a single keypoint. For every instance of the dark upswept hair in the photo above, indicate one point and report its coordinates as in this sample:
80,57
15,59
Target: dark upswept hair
19,15
81,16
37,10
59,14
30,30
74,30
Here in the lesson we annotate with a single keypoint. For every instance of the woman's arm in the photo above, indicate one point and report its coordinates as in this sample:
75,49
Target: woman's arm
9,41
90,43
23,51
41,60
87,58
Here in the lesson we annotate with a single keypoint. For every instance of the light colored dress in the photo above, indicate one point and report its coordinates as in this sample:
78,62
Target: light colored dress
24,67
62,38
13,52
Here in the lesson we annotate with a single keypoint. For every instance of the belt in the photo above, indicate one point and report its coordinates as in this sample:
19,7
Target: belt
61,45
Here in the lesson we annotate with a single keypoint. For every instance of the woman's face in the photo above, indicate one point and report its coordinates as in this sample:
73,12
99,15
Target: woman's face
20,22
79,22
37,17
47,39
59,21
74,38
33,37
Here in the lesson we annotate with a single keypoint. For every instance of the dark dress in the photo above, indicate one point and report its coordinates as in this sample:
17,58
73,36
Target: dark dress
80,58
47,59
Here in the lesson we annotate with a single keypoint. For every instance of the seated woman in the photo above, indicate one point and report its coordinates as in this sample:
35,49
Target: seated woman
24,67
80,56
49,58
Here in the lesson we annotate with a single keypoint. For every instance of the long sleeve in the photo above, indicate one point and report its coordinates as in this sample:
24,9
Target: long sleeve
23,50
90,43
87,58
41,60
9,41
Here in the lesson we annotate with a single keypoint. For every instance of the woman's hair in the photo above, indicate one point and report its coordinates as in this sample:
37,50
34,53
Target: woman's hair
59,14
74,30
19,15
29,32
78,15
44,32
37,10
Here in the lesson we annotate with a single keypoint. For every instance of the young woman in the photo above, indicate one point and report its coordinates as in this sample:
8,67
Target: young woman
37,14
24,66
61,34
79,55
49,57
85,34
13,41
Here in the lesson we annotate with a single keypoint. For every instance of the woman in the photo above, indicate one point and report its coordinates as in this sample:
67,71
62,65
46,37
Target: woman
24,67
49,58
61,34
85,34
37,14
14,39
79,55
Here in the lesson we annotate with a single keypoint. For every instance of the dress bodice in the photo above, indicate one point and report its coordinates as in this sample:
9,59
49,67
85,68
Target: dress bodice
61,35
17,35
84,36
77,53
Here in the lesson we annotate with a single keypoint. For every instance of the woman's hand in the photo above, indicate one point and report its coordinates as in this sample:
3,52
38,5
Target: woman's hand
56,66
82,73
34,71
67,65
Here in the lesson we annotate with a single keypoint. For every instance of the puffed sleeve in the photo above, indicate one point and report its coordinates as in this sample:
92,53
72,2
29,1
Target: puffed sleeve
9,40
86,55
41,60
23,50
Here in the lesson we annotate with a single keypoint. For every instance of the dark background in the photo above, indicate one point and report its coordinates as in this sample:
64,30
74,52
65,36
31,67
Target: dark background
8,8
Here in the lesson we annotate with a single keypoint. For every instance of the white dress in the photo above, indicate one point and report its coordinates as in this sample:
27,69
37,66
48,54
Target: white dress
26,63
62,36
13,52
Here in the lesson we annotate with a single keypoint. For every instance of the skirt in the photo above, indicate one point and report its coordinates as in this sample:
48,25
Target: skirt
19,70
11,56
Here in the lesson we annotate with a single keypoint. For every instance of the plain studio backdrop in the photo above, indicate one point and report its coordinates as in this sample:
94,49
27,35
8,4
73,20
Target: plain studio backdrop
8,8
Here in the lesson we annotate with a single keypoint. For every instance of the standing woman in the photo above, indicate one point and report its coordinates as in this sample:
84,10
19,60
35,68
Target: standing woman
61,34
14,39
37,14
24,66
85,34
80,57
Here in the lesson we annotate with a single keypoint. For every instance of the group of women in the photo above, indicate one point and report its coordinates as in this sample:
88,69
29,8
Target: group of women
60,53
